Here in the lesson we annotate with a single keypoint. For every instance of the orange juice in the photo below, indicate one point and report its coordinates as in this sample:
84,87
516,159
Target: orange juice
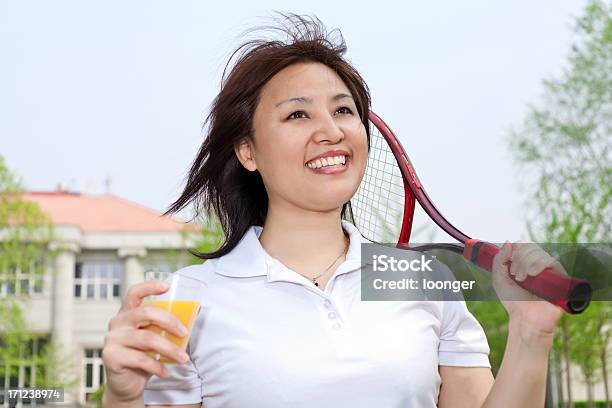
185,311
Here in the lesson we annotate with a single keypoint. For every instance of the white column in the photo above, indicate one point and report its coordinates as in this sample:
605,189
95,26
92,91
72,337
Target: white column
62,332
133,266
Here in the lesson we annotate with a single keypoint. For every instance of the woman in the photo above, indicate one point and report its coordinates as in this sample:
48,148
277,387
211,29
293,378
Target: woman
283,324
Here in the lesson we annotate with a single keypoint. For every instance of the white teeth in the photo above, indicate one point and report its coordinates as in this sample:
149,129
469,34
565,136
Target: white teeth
327,161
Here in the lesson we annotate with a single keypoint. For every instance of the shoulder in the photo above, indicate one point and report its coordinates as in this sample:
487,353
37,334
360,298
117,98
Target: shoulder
204,271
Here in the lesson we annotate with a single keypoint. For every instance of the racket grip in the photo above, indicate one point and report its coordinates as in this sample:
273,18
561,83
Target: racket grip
571,294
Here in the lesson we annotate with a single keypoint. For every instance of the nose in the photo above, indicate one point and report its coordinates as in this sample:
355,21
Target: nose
328,131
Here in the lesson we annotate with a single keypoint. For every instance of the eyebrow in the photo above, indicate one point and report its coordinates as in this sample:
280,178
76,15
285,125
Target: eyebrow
303,99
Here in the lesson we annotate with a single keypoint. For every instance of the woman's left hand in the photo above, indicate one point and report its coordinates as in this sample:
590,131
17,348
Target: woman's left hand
531,315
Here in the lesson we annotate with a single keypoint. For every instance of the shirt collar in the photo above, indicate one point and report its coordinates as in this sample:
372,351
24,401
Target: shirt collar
249,258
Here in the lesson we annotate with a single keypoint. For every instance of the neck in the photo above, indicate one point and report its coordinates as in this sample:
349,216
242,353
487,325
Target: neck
306,243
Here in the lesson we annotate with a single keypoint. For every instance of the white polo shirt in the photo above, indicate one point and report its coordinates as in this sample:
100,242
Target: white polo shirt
268,337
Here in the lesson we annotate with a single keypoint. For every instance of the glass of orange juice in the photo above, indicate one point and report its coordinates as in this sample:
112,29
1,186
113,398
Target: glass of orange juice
182,299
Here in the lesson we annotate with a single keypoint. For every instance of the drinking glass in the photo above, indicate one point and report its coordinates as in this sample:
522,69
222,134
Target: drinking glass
183,300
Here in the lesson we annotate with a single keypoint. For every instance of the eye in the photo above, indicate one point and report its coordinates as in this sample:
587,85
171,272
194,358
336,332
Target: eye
295,115
346,109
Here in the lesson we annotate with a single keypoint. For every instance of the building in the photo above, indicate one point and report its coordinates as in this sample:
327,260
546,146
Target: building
104,245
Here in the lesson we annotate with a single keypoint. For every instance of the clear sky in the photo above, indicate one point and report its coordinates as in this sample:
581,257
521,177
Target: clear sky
118,89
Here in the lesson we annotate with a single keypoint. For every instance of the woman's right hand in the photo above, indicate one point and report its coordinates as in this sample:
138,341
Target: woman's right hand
128,366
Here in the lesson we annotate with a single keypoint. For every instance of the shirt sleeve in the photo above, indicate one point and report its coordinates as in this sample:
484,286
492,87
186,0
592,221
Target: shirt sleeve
182,386
463,342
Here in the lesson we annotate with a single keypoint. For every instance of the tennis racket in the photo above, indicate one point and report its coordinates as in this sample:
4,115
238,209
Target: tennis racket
390,186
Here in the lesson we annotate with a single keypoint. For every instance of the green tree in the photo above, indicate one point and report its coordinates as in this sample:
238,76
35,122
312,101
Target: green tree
207,238
494,320
587,352
604,336
25,234
563,149
210,238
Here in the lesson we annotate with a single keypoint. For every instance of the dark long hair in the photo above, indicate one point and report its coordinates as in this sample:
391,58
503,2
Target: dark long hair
217,183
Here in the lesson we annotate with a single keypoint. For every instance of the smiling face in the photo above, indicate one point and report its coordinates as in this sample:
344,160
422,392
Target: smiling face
309,143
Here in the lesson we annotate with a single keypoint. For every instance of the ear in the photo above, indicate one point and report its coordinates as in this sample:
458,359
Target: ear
244,152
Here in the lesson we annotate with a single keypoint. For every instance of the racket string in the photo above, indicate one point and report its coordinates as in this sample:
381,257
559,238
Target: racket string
378,204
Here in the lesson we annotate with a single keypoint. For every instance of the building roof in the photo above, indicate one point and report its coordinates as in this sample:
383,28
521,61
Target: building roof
104,213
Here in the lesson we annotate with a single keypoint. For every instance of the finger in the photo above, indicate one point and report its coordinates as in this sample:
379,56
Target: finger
522,258
528,263
117,358
544,262
503,256
501,280
534,260
144,315
556,265
145,340
135,294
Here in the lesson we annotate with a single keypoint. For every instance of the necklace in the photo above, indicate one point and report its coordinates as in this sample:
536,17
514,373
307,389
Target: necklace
314,279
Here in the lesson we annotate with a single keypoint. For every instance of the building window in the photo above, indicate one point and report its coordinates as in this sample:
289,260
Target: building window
21,367
18,281
97,280
170,262
158,265
93,372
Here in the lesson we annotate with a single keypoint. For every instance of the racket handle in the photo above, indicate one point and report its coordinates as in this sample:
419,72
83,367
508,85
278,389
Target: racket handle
571,294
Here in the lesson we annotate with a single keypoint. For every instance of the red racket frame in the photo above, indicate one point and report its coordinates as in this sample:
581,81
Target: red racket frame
571,294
